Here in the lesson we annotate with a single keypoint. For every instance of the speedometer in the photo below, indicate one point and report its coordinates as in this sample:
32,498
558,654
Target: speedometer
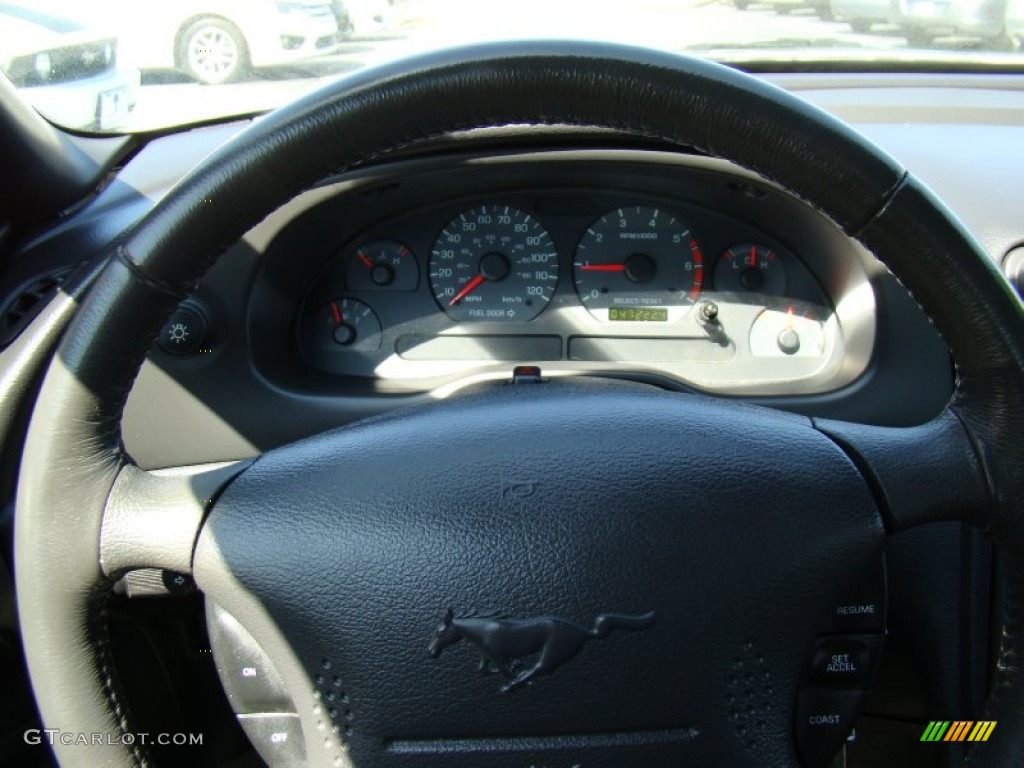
493,262
638,264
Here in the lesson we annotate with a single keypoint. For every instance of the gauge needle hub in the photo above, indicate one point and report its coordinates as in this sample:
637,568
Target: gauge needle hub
471,286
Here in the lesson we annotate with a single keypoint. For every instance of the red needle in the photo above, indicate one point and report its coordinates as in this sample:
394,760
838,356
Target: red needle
603,267
365,259
753,255
336,312
471,286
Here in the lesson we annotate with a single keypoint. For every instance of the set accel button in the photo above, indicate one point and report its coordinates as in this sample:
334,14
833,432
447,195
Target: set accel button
844,662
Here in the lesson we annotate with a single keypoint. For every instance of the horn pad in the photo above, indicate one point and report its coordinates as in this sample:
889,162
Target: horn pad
552,575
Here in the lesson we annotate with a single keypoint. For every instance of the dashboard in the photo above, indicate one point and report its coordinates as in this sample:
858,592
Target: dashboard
635,264
263,337
448,268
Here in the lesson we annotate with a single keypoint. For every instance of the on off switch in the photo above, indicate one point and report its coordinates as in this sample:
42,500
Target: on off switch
250,680
277,737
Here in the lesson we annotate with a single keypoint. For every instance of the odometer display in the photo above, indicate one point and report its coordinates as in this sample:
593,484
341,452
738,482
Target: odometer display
638,264
493,262
638,315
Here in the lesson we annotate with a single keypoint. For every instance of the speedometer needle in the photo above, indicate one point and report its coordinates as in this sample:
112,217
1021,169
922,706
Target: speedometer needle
471,286
603,267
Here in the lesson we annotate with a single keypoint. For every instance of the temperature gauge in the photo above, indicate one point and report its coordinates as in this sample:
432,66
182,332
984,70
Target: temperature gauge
383,265
342,324
751,268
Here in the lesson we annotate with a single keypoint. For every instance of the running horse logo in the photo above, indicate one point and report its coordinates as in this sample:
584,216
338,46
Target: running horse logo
503,641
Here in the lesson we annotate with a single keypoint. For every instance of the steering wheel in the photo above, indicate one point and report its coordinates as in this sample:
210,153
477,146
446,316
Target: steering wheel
633,531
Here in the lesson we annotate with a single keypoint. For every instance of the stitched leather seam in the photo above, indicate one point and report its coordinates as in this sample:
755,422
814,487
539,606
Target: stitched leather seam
108,676
125,257
886,201
889,198
1006,662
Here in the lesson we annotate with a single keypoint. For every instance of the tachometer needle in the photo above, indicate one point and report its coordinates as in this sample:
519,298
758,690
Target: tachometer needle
471,286
603,267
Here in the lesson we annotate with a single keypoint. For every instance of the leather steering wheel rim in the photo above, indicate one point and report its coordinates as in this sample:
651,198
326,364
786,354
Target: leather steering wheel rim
66,510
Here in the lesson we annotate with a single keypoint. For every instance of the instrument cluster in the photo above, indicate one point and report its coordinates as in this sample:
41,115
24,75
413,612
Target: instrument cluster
583,280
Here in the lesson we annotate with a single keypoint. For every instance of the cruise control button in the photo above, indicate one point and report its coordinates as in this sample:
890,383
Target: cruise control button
844,661
823,721
277,737
250,680
863,610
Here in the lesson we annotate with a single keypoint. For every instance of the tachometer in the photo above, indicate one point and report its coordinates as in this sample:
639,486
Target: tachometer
638,264
493,262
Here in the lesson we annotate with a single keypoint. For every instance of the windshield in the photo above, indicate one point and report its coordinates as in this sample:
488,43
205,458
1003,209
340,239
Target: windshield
136,65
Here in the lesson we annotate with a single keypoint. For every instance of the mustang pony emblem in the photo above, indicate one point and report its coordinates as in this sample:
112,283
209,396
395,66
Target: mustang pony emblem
502,641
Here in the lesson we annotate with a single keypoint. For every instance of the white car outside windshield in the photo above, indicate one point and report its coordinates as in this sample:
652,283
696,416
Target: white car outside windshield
66,64
210,59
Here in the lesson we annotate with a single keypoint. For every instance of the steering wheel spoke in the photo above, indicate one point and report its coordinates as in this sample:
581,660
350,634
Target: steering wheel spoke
919,474
152,518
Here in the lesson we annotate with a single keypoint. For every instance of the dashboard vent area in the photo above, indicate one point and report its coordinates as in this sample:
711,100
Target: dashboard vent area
18,312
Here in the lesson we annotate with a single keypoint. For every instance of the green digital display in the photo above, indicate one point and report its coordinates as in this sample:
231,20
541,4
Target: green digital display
638,314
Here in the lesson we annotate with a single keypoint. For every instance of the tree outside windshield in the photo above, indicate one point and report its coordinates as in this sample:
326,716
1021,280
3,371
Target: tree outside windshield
133,65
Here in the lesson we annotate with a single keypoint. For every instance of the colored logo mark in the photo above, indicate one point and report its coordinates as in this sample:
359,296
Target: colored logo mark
958,730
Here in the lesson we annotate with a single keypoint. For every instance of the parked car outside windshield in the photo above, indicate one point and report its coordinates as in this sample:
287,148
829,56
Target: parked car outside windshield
1015,23
218,41
66,66
923,21
212,59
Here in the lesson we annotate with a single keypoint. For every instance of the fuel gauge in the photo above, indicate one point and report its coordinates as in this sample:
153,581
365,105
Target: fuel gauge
342,324
751,268
383,265
794,330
